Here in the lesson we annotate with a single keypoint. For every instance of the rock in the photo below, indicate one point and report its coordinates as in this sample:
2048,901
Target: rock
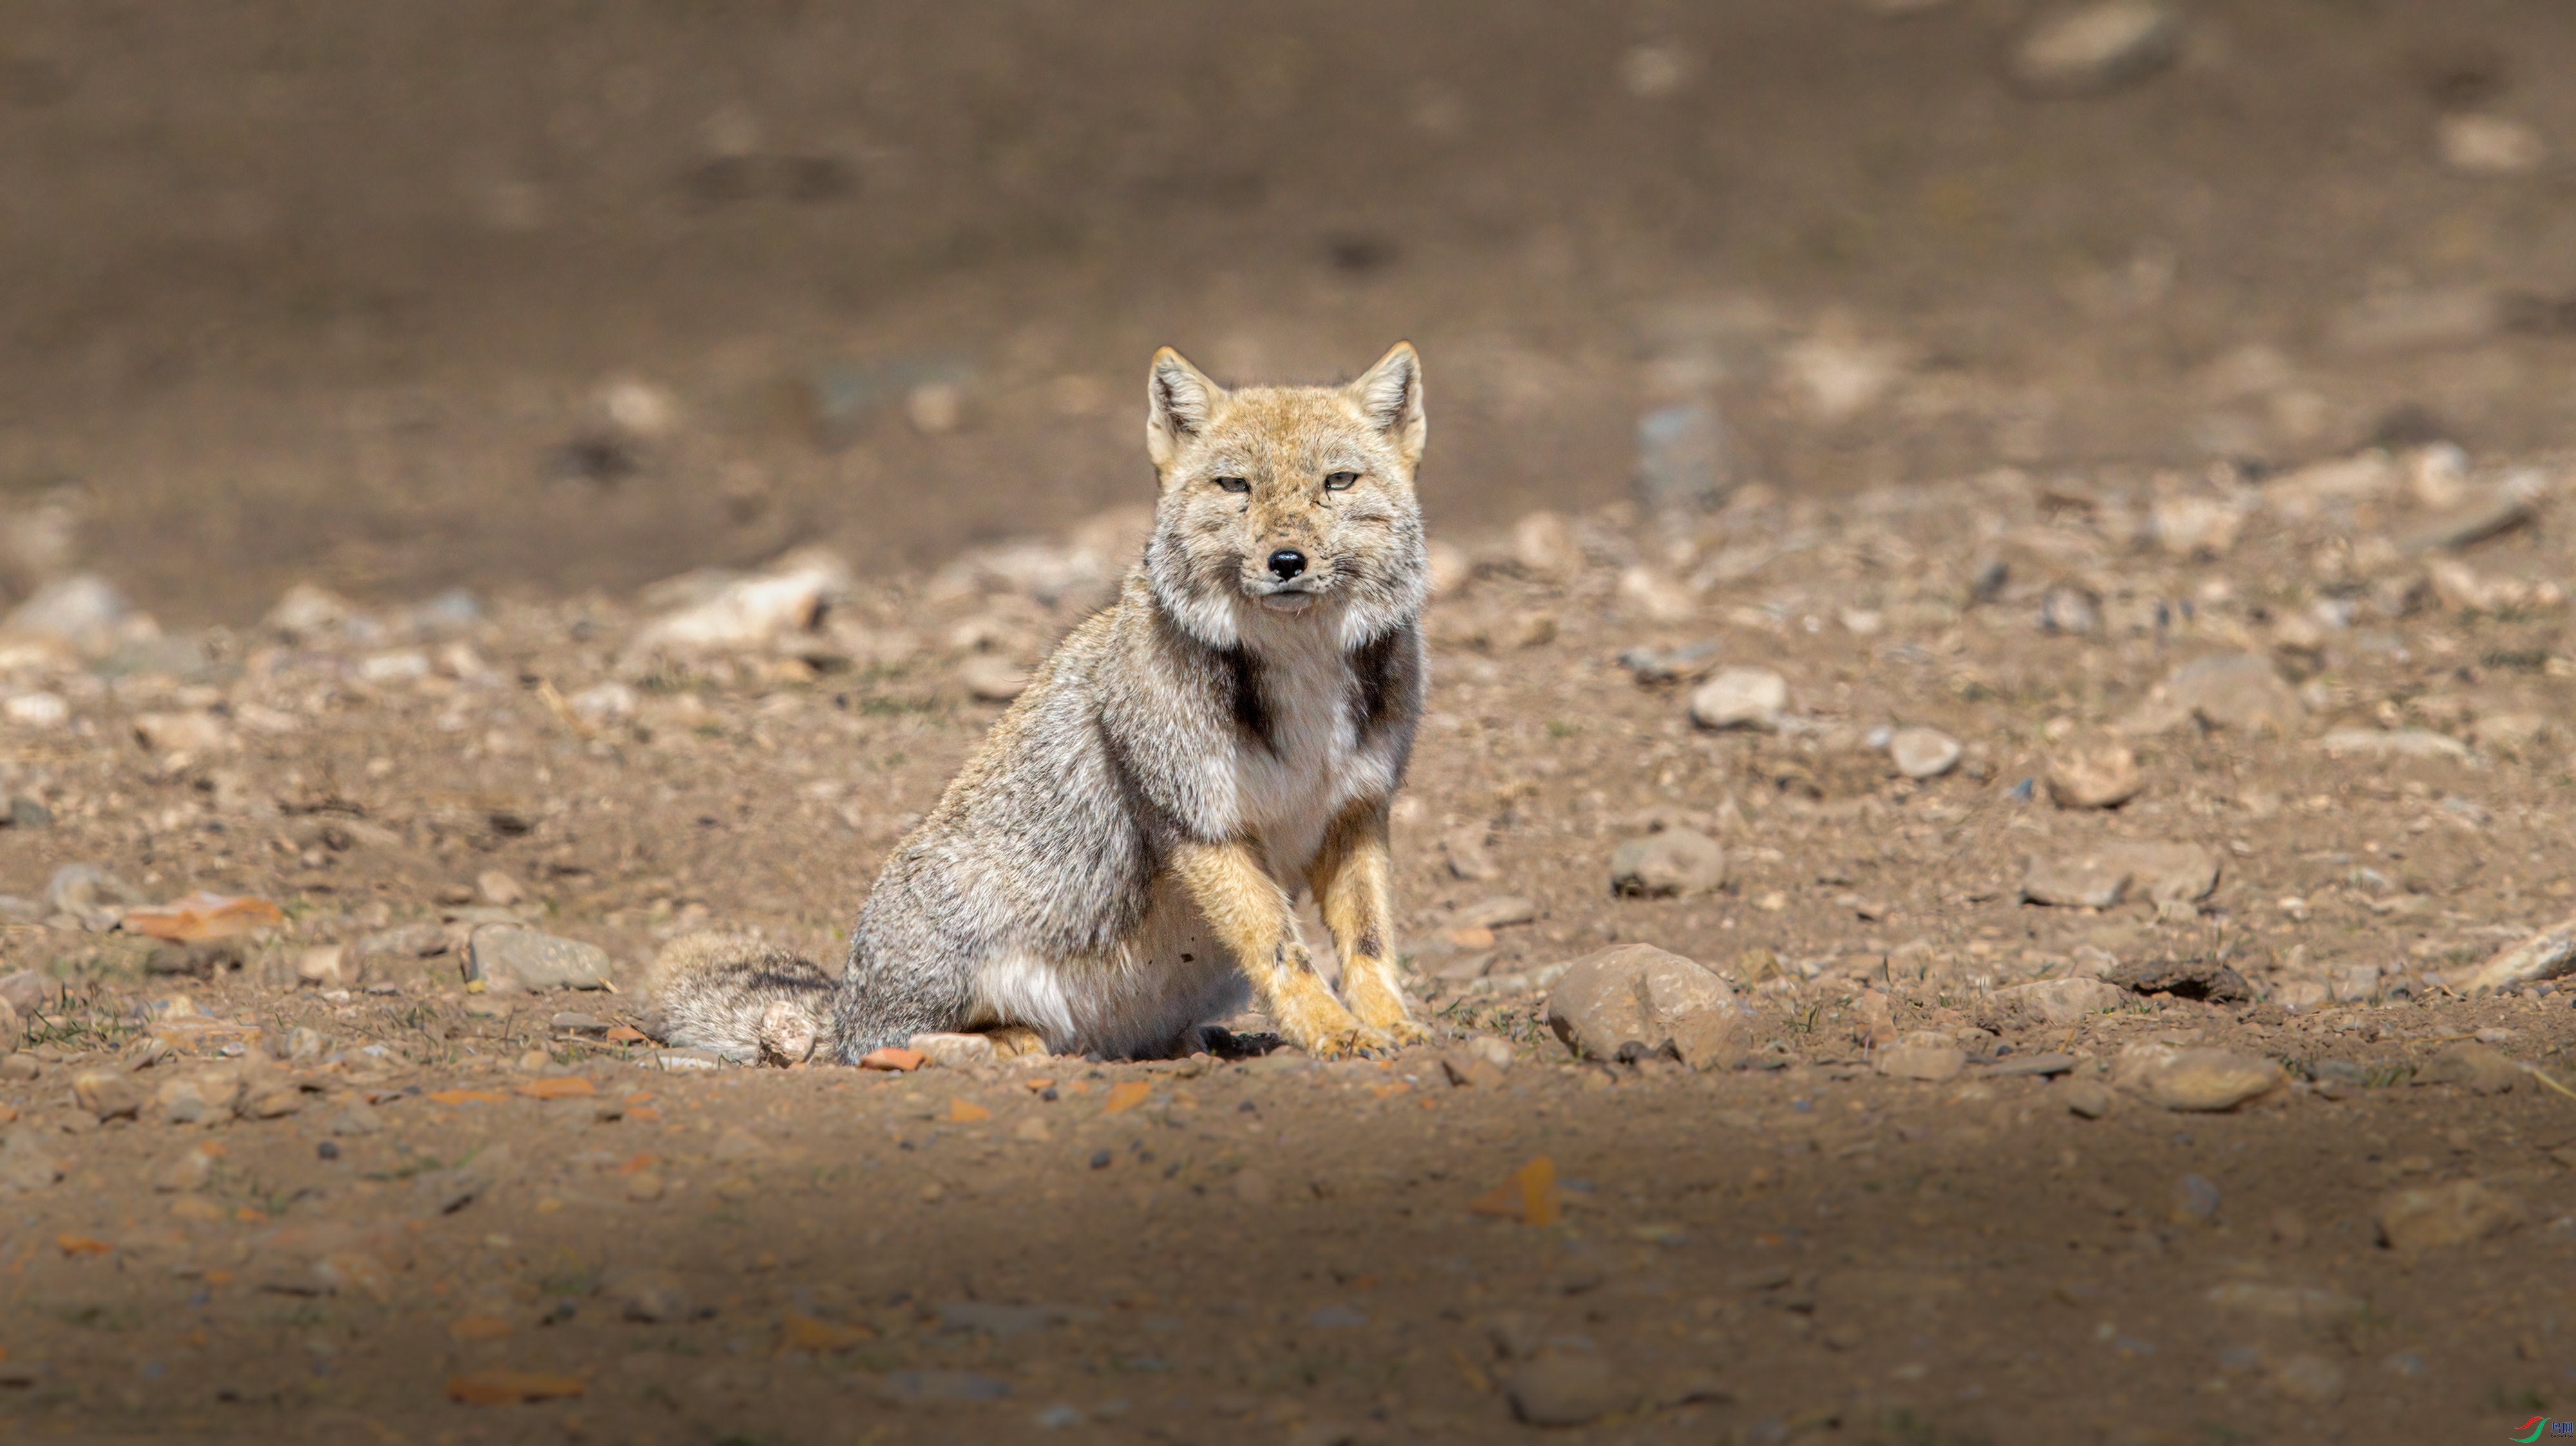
2439,1216
188,1170
203,1097
29,992
1564,1390
108,1093
2195,1079
644,1293
92,896
2022,1065
992,677
37,710
2308,1378
321,967
2547,954
307,608
1684,466
2184,979
1670,665
2088,1098
196,734
1639,994
2195,527
1674,862
1499,912
356,1117
2498,510
506,957
734,614
1925,1055
2394,743
1741,698
1468,859
2163,873
2480,1069
84,610
2296,995
953,1051
2056,1001
2088,48
1923,752
499,889
24,1166
2073,611
2094,773
1468,1071
2488,145
1491,1050
2237,691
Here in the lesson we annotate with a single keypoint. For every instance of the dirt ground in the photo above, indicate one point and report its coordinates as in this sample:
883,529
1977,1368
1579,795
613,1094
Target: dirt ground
2031,404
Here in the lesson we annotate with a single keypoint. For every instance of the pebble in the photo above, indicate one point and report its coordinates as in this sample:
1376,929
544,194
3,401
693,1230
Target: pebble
2495,511
28,991
1676,861
1925,1055
188,1170
108,1093
2439,1216
2195,1079
1501,911
505,957
2070,610
1921,753
357,1117
1563,1390
2392,743
2056,1001
2474,1066
2031,1064
741,613
2195,1199
2543,955
1637,993
2488,145
2089,1098
23,1163
1741,698
2163,873
2241,692
499,889
2087,48
323,966
2094,773
1467,1071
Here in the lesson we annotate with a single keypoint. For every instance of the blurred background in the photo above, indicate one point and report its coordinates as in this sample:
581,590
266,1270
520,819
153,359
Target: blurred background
534,297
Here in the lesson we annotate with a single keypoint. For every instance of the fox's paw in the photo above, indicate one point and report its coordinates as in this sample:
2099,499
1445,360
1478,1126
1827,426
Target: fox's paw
1321,1028
1382,1012
1011,1041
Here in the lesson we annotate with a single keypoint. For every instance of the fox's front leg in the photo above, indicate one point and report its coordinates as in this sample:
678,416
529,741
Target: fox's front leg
1353,880
1252,915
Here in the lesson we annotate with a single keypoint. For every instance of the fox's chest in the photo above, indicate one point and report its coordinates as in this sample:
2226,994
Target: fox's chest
1301,758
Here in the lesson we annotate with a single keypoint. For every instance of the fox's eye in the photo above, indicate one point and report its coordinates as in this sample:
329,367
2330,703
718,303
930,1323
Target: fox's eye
1340,481
1234,484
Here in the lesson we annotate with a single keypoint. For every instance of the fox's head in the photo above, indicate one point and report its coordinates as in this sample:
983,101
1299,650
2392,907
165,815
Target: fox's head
1284,503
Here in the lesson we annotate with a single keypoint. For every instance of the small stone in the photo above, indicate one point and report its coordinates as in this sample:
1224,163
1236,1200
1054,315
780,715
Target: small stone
2072,611
2297,995
188,1170
108,1094
357,1117
2440,1216
2308,1378
2495,511
893,1058
1677,861
1467,1071
1468,858
644,1293
2195,1079
1499,912
992,678
2032,1064
205,1097
1924,1055
499,889
722,614
504,957
1741,698
1921,753
2480,1069
321,967
2163,873
1564,1390
2094,773
1491,1050
196,734
2056,1001
1544,546
2087,48
953,1051
2488,145
24,1165
1636,993
2392,743
644,1186
2195,527
2547,954
2241,692
28,992
2086,1097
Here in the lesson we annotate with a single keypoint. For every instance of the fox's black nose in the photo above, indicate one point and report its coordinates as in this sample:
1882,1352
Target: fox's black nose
1286,563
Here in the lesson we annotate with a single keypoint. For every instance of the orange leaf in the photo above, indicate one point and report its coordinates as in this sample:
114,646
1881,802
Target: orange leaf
1035,1085
466,1097
1127,1095
646,1113
626,1034
500,1387
1384,1090
966,1112
204,916
478,1328
82,1244
1529,1196
639,1164
805,1333
558,1087
894,1058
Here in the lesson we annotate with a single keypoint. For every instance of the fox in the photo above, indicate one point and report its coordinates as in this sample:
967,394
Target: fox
1118,865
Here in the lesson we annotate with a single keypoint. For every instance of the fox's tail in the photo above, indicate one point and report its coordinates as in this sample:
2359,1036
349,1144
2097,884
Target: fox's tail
752,1003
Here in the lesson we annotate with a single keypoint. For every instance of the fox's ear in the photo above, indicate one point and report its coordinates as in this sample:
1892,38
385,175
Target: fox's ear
1390,396
1180,401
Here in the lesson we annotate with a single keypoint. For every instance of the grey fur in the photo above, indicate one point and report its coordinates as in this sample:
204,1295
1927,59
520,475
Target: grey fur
1211,703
